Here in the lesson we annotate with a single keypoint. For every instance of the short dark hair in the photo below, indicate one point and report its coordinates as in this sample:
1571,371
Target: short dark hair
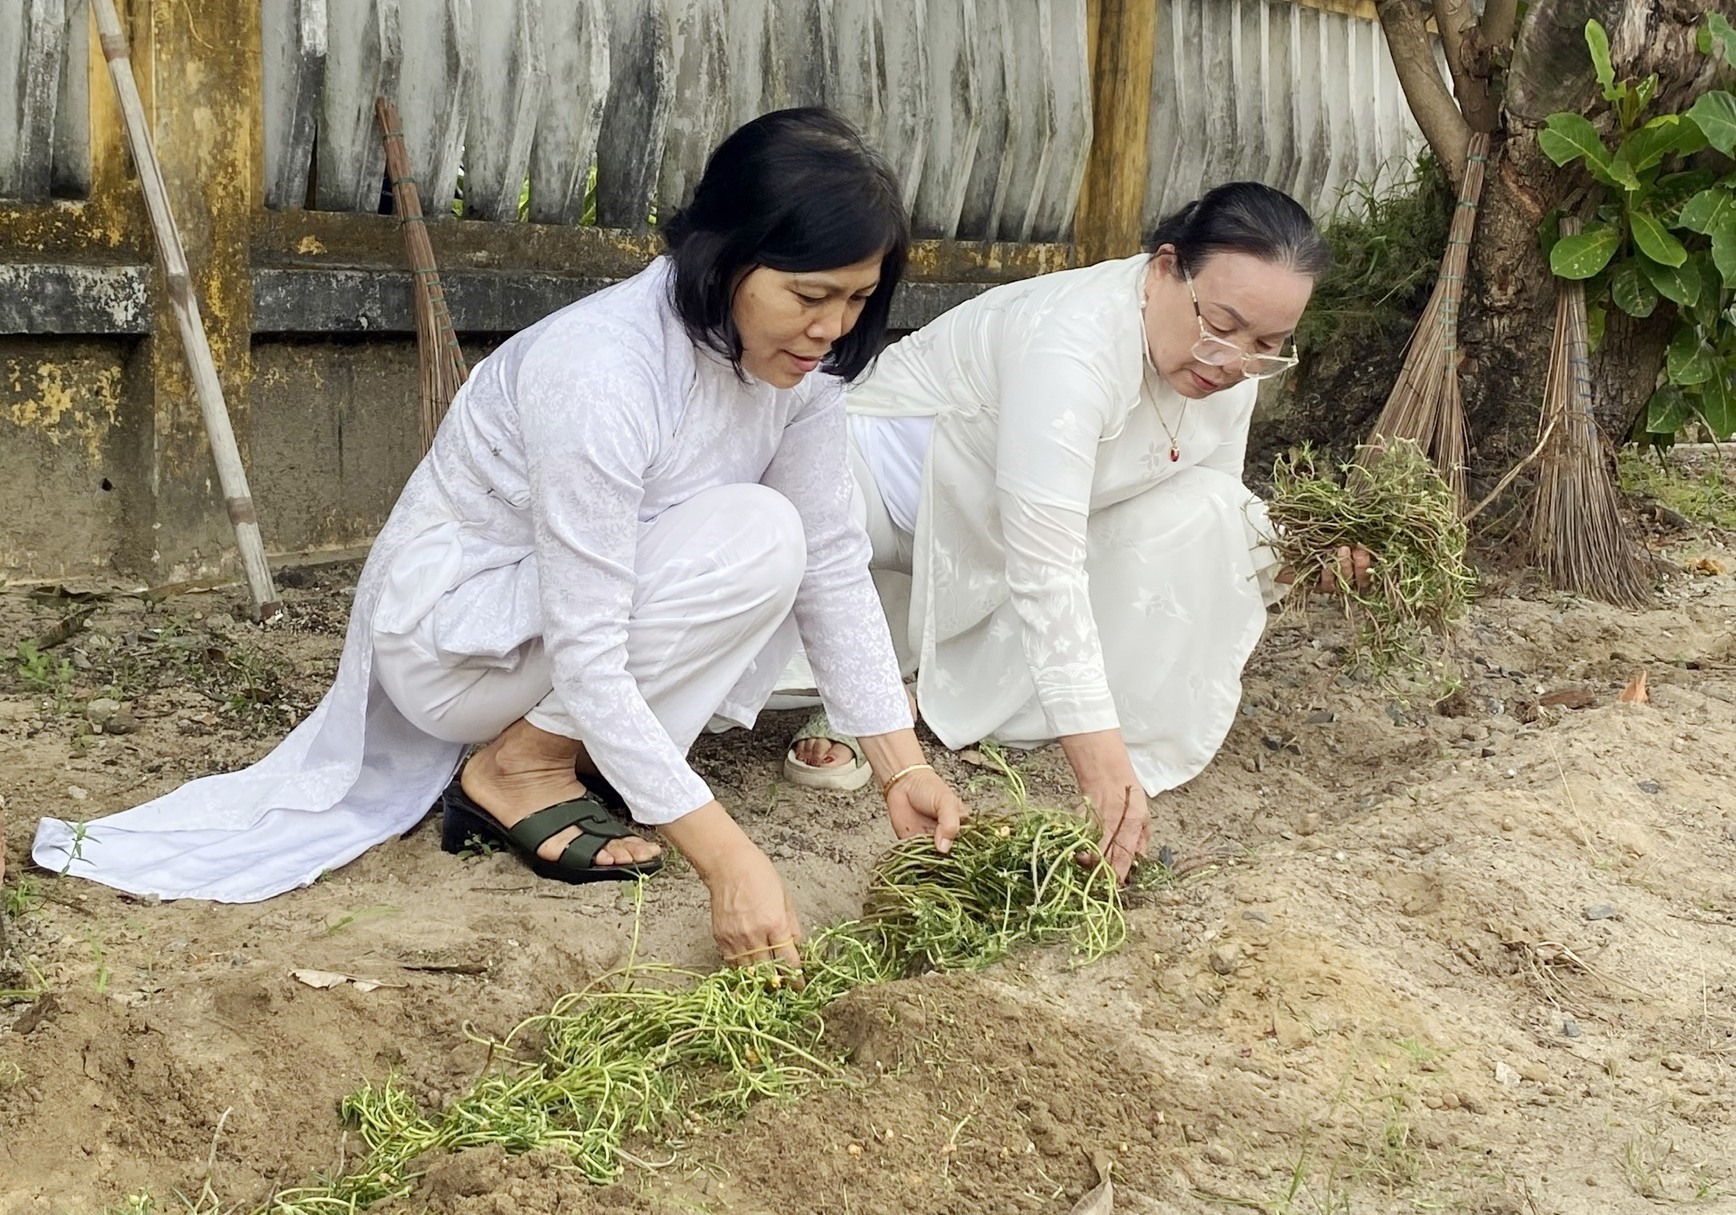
1244,217
793,190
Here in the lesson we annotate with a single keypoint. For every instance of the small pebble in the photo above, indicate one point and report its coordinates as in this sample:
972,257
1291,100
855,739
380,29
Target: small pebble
101,711
77,792
1322,717
1673,1063
1489,753
1274,742
1599,911
1219,1155
1507,824
1341,855
1650,786
1224,959
1570,1028
1258,917
1309,824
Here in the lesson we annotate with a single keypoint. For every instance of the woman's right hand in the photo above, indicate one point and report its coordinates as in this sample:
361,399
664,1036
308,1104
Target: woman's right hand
1107,781
752,916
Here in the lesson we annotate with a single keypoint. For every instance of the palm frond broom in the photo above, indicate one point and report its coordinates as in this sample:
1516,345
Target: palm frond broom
443,367
1424,405
1577,534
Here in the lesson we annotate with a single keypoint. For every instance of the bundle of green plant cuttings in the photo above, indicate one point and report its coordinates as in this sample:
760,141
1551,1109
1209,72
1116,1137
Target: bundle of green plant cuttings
1397,506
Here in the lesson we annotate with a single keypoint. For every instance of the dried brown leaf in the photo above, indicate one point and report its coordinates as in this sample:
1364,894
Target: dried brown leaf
1636,692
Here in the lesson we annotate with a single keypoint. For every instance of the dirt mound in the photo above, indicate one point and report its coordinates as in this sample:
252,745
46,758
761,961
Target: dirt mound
1472,956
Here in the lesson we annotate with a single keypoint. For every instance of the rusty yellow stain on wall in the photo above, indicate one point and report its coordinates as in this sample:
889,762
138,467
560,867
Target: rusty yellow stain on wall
64,405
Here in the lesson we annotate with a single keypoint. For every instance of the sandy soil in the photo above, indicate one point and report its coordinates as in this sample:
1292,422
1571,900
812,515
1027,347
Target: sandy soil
1474,957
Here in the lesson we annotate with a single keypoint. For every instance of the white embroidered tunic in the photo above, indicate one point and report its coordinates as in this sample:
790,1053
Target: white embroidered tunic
564,445
1037,531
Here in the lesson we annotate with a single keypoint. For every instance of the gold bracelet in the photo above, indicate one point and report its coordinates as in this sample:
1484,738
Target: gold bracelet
886,789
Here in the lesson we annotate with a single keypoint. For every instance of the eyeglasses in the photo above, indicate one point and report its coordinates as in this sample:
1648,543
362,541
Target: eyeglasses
1215,351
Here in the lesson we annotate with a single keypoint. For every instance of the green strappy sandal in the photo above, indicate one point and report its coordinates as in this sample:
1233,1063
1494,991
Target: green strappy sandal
464,822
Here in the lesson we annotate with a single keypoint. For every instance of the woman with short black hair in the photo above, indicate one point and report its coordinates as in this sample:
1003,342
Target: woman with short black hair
628,514
1057,466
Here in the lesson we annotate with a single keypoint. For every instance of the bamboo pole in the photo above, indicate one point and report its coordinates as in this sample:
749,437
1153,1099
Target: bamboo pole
231,474
1122,35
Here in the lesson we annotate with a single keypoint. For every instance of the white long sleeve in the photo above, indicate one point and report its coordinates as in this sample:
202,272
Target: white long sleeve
591,425
586,488
1055,409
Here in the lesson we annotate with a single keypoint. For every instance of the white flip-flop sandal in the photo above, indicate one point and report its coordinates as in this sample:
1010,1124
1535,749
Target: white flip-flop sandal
845,777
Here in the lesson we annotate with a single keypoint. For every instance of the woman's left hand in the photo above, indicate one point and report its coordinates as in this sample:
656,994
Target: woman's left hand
924,804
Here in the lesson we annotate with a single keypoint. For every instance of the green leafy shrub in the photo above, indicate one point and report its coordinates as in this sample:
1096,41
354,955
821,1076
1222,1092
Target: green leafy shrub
1664,229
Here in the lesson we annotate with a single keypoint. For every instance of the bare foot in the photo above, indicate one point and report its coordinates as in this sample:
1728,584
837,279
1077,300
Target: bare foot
825,753
526,770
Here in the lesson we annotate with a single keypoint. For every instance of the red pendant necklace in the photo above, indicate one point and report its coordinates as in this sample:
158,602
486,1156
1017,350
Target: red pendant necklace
1174,447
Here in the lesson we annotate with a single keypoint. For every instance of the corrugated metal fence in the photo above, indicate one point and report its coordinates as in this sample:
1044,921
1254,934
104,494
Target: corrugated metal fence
545,109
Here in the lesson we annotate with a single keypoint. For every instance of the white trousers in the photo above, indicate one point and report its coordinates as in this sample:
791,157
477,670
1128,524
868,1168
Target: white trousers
1179,580
709,629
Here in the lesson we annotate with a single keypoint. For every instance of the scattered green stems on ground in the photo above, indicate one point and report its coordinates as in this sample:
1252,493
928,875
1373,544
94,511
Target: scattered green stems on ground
652,1051
1398,507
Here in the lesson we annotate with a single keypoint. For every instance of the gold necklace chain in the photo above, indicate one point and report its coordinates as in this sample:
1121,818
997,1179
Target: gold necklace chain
1181,422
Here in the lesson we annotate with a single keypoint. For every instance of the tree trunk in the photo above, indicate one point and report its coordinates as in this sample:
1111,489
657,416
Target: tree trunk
1507,314
1507,320
1510,294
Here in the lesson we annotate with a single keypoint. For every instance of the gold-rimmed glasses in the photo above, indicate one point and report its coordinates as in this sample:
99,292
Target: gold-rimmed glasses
1215,351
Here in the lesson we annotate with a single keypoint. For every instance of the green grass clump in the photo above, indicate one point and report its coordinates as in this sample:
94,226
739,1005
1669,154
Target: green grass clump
43,672
1397,507
651,1050
1706,497
1386,253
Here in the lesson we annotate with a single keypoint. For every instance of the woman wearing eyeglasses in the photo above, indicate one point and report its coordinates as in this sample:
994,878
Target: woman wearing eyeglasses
1057,464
